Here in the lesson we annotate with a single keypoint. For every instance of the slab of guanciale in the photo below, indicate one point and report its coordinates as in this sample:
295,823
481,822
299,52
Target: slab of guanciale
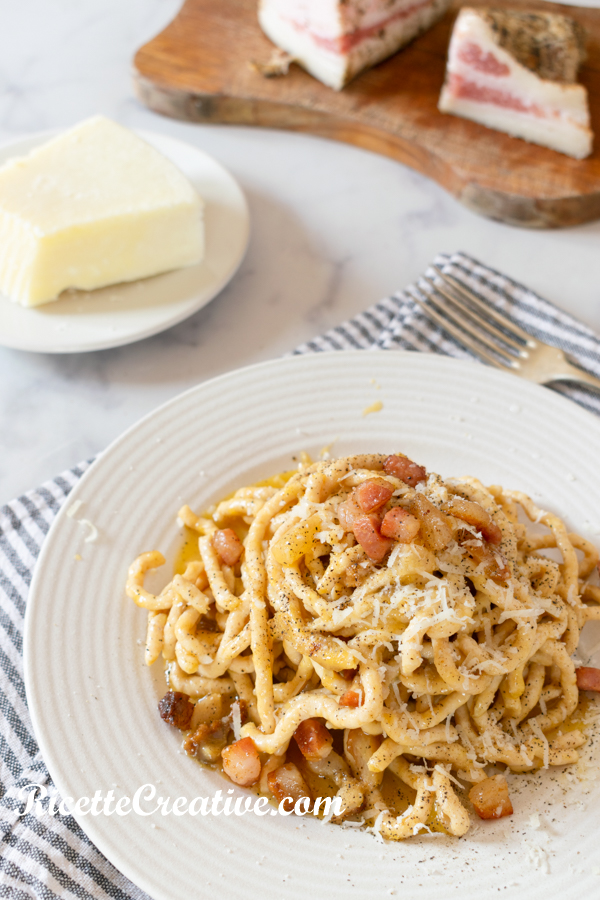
200,69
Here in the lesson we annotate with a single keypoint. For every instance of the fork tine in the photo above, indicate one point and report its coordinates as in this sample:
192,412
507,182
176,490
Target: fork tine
457,333
472,297
481,323
464,325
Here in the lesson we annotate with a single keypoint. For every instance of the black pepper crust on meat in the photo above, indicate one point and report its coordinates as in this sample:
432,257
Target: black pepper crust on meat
551,45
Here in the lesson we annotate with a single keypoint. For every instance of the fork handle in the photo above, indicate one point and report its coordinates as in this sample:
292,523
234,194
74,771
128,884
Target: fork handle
574,373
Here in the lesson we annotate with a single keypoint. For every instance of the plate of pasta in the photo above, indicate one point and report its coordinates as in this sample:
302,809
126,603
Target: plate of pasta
363,578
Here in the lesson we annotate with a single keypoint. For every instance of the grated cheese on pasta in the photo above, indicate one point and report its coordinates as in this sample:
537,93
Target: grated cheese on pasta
435,646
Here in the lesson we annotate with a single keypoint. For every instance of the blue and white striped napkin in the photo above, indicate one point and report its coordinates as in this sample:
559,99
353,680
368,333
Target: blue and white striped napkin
52,857
398,323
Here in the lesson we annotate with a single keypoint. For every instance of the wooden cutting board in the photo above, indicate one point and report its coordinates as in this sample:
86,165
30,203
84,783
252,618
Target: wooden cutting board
199,69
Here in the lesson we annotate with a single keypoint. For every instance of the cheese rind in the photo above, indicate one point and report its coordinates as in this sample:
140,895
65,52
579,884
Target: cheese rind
95,206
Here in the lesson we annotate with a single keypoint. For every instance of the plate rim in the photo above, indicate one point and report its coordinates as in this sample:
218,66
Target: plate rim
90,346
466,364
123,864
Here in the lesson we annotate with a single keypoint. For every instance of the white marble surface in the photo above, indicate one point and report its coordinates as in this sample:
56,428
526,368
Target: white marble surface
333,230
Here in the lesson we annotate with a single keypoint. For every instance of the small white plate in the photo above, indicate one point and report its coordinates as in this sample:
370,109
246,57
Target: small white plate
93,702
80,321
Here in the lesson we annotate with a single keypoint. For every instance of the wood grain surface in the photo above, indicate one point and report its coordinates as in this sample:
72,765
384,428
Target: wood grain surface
199,69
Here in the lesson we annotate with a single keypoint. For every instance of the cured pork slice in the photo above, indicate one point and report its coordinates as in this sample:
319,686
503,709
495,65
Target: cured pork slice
334,40
516,72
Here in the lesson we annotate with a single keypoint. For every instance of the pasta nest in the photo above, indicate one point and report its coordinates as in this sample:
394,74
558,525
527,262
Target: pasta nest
445,654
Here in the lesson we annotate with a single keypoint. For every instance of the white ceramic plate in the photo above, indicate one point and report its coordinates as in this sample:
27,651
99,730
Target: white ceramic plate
93,702
80,321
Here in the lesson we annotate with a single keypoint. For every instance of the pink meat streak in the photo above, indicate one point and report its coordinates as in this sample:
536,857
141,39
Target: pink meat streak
462,88
347,42
478,59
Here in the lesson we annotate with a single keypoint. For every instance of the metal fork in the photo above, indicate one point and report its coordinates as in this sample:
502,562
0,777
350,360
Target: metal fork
493,337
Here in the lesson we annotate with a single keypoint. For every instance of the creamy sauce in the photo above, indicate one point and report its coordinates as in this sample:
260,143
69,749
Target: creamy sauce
374,407
188,551
577,721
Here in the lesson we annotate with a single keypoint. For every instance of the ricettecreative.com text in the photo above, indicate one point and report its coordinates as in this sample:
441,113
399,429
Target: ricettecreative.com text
147,802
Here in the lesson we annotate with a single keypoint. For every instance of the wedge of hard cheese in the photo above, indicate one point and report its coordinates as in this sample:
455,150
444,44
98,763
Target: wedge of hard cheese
95,206
334,40
516,72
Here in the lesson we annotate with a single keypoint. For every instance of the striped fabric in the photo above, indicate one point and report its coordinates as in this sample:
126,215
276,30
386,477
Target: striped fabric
51,857
398,322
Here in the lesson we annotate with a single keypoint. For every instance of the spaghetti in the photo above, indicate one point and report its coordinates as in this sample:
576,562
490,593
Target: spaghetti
367,624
